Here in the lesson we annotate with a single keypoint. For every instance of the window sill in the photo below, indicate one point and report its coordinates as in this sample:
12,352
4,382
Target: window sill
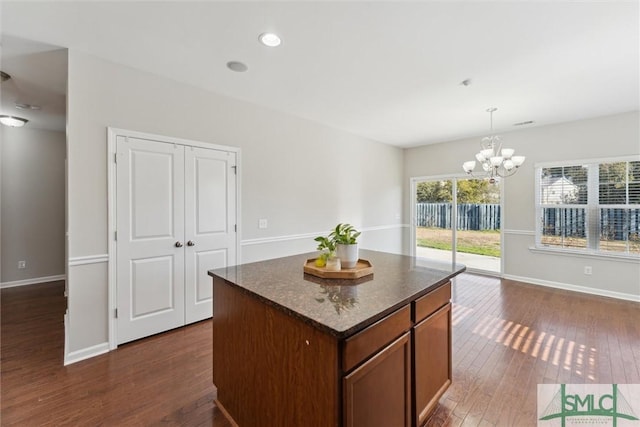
585,254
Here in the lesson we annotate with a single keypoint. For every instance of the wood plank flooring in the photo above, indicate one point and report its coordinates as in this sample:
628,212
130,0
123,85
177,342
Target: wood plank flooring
507,338
162,380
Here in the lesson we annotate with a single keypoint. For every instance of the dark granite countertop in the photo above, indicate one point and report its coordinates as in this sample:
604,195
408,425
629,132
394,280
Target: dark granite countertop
338,306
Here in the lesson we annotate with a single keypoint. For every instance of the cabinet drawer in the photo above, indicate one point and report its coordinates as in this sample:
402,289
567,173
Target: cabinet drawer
432,301
362,345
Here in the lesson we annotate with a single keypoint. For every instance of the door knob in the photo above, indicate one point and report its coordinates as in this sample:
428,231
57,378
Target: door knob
191,243
178,244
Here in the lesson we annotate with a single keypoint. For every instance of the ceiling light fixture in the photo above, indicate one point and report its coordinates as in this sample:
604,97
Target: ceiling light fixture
269,39
497,162
13,121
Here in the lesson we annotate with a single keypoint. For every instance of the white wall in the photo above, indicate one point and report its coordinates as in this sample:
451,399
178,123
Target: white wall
33,205
301,176
603,137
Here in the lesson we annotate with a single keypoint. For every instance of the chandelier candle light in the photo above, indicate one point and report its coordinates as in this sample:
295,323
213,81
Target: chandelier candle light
497,162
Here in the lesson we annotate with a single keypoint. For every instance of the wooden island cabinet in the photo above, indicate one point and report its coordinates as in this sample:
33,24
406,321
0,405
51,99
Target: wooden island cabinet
294,350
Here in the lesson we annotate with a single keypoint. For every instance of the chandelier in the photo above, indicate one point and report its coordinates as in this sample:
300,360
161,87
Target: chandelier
497,162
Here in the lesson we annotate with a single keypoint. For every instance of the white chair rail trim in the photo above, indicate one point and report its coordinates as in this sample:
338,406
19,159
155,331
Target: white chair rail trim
88,259
284,238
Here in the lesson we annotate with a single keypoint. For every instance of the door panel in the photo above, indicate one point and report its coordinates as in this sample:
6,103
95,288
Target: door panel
151,195
210,193
204,261
434,216
210,204
149,218
478,225
151,286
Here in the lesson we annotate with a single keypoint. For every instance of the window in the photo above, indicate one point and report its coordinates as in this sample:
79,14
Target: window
589,206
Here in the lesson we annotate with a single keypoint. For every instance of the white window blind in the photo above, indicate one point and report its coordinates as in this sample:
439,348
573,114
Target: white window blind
591,206
563,195
619,206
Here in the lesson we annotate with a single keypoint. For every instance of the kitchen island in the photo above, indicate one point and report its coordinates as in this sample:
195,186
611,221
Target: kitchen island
291,349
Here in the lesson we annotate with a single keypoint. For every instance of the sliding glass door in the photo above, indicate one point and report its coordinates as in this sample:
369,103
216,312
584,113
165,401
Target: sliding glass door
458,219
478,224
434,216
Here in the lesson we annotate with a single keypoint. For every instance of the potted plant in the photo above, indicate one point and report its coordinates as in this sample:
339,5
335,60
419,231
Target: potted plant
328,257
345,238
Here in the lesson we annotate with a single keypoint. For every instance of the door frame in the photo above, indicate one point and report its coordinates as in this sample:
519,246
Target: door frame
112,134
413,183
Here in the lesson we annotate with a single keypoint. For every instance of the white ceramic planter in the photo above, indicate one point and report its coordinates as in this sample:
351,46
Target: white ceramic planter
333,264
348,255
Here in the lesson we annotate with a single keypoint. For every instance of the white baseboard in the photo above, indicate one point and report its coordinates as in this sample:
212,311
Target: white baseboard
575,288
33,281
86,353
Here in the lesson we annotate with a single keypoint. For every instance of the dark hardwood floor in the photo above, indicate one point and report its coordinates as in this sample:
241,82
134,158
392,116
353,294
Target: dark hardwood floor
161,380
507,338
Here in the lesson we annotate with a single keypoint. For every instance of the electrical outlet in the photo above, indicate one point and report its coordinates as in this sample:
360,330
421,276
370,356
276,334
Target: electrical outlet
587,270
262,223
22,264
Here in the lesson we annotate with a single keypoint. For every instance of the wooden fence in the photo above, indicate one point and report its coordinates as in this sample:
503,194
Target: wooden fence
568,222
619,224
471,216
615,223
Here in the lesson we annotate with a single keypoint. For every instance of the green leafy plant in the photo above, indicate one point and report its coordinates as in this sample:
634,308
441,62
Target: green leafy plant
344,234
327,246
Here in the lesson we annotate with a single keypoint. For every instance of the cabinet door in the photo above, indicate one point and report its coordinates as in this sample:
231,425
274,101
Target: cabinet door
378,393
432,367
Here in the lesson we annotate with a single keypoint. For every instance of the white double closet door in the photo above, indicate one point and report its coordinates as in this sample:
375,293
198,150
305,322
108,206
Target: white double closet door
175,220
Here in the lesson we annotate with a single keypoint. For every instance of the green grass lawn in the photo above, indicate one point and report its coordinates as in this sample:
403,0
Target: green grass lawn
473,242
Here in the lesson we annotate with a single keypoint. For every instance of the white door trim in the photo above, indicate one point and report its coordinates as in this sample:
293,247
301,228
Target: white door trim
112,134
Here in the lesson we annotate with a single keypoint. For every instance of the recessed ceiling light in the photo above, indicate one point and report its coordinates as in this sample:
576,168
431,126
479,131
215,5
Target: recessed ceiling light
12,121
269,39
237,66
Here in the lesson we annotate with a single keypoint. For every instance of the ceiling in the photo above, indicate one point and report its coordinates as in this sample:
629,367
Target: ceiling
388,71
38,77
